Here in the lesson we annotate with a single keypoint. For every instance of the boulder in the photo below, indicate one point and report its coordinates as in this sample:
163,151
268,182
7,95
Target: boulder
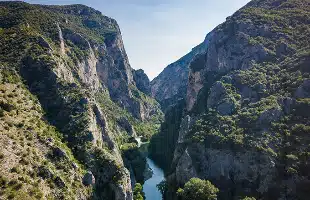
269,116
59,153
142,81
42,42
50,140
287,104
124,123
148,172
59,182
45,172
226,108
89,179
220,100
77,39
75,166
303,90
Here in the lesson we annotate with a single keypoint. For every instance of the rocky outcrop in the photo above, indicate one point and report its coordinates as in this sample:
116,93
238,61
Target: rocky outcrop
195,84
170,85
303,91
220,100
89,179
124,123
142,81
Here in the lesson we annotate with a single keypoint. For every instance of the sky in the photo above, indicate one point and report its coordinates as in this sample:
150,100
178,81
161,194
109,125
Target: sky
159,32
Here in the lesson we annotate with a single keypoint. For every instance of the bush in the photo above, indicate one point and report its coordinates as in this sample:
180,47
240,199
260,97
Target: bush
138,193
162,187
1,112
129,146
3,181
292,157
1,155
248,198
301,129
197,189
6,106
15,170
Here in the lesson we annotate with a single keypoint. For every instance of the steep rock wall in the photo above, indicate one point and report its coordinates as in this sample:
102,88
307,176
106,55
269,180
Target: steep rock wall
243,94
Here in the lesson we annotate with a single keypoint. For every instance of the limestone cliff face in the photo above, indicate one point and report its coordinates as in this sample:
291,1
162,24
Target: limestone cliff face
142,81
170,85
239,105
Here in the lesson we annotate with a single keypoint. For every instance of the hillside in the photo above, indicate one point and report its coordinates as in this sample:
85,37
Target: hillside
245,123
70,105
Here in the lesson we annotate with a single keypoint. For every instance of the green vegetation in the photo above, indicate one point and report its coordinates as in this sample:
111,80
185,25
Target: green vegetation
162,187
138,193
266,96
30,53
248,198
197,189
134,159
23,124
145,128
162,145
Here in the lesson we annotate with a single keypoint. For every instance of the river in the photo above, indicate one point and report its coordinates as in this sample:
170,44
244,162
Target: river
149,187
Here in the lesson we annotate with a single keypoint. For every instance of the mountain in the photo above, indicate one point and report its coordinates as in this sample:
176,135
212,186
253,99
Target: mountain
170,85
70,105
245,121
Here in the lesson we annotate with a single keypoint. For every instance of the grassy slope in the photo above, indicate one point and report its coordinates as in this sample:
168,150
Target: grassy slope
27,142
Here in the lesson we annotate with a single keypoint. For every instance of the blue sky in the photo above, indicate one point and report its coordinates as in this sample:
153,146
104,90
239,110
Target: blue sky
158,32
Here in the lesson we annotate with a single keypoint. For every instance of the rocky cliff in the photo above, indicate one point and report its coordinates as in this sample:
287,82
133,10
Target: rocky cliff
170,85
69,102
245,125
142,81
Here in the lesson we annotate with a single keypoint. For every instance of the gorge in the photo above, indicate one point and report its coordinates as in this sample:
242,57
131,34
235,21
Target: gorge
229,120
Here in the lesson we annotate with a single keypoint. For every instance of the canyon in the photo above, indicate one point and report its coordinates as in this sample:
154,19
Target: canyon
78,122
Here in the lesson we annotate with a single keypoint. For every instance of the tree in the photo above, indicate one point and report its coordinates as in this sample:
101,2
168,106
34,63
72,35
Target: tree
138,192
162,187
248,198
197,189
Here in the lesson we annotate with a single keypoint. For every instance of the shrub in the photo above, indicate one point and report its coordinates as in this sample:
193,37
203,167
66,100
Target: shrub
197,189
301,129
248,198
17,186
1,112
291,171
128,146
7,106
292,157
1,155
12,195
15,170
138,192
3,181
162,187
